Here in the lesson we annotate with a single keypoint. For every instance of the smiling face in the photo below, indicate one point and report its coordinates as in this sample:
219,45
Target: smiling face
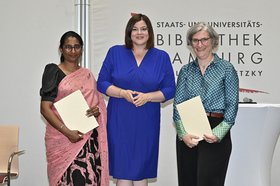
202,45
140,34
71,50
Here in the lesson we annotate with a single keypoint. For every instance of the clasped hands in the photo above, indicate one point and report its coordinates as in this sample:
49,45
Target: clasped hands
192,140
134,97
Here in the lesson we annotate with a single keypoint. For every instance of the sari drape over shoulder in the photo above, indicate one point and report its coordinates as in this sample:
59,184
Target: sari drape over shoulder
60,151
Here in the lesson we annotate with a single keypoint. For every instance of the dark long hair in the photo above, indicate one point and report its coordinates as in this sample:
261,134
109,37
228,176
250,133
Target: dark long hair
134,19
65,36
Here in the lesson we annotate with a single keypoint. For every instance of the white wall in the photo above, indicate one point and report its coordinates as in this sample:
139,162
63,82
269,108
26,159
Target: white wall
29,34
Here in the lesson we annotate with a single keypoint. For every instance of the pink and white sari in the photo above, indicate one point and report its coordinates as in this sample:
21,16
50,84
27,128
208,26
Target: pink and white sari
60,151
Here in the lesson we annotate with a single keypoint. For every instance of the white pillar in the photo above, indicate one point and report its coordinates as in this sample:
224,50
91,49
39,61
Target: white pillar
82,7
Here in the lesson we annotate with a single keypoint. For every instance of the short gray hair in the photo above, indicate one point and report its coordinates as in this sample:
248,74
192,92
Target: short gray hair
206,27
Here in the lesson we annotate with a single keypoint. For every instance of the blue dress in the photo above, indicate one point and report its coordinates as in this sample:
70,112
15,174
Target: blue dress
133,132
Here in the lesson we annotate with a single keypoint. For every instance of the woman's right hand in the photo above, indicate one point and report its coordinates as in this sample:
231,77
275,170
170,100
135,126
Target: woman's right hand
127,94
74,135
190,140
46,110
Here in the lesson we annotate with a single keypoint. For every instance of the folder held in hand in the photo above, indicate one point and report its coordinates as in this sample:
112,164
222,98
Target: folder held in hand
72,110
194,117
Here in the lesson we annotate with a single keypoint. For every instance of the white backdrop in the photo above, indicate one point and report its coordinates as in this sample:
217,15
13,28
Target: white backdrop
247,35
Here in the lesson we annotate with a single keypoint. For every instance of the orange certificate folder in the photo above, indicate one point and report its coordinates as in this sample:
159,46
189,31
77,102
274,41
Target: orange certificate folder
194,117
72,110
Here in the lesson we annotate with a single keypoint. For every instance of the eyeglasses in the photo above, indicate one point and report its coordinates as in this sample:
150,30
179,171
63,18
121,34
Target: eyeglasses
69,48
202,40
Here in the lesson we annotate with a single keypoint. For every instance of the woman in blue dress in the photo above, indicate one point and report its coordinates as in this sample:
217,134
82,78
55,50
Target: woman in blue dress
137,77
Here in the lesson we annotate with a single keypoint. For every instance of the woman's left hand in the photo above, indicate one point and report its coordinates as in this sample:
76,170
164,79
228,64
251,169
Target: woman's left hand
141,98
210,138
93,111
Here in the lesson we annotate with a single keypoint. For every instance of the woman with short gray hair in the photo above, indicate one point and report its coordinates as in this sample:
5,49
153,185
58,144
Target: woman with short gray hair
204,162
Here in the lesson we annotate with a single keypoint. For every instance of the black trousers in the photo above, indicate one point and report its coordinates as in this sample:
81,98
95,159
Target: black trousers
206,164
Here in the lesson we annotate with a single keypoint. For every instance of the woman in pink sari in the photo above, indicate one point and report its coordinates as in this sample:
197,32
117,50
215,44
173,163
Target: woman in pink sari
74,158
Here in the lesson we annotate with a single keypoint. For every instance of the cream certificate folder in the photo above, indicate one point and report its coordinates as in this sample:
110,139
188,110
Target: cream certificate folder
194,117
72,110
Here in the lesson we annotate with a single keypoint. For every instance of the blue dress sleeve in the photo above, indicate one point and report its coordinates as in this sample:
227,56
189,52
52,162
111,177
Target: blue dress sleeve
104,78
168,86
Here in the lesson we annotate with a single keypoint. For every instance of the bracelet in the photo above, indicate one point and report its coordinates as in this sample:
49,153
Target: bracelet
120,92
61,127
149,98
